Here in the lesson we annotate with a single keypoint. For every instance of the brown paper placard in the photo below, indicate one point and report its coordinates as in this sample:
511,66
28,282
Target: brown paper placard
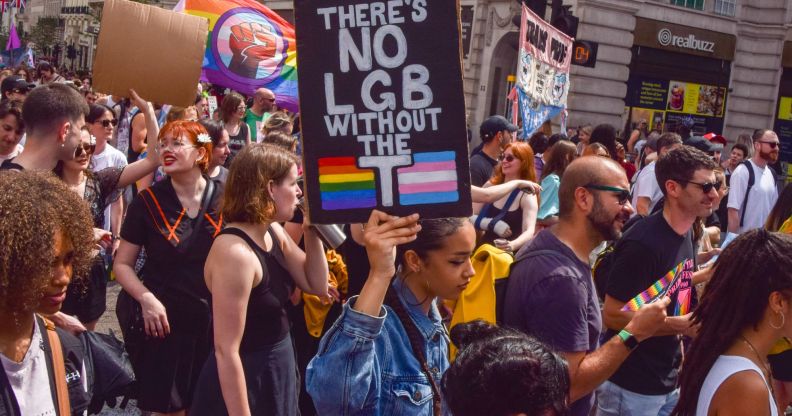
157,52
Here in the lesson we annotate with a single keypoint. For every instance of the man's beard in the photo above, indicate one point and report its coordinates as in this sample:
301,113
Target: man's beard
771,156
605,224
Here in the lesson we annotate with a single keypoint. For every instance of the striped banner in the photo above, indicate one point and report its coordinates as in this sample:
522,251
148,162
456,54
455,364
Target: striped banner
343,185
432,179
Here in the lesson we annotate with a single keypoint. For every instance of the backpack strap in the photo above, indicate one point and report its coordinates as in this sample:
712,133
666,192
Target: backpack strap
58,368
751,180
501,214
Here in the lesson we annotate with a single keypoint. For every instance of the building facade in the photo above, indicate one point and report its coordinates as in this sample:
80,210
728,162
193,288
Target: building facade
715,65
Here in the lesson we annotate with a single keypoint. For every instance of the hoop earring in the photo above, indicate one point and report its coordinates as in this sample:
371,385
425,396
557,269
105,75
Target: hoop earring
783,321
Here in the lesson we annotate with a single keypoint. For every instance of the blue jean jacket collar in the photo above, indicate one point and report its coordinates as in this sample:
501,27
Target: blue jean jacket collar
430,325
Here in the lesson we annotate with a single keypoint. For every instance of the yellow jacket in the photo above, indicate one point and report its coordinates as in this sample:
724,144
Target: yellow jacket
315,308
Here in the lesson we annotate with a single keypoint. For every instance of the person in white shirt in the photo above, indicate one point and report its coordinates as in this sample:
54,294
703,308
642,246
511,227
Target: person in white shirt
101,122
647,192
751,211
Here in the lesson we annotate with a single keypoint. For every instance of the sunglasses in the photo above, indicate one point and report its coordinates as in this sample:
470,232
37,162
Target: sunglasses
622,194
772,145
707,187
84,148
507,158
107,123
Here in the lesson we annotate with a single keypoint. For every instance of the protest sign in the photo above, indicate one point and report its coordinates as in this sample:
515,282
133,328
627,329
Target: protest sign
542,71
157,52
382,109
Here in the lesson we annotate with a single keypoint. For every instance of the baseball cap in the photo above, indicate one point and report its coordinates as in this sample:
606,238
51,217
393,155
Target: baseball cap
13,82
715,138
703,144
493,125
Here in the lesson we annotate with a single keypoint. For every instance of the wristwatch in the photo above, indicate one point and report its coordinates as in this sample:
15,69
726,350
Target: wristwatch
628,339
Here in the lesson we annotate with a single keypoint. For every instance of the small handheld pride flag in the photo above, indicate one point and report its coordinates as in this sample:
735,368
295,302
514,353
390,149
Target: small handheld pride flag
658,289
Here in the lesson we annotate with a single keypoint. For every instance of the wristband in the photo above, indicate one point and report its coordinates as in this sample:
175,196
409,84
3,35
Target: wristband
628,339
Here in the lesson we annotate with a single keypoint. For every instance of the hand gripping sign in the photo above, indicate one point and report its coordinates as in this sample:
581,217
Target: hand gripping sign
382,108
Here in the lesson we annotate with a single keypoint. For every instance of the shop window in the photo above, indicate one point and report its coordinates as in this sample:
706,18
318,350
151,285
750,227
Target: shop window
725,7
691,4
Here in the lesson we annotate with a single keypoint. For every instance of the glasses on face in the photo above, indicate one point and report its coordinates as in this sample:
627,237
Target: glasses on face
622,194
241,108
707,187
507,158
84,148
176,145
107,123
22,91
772,145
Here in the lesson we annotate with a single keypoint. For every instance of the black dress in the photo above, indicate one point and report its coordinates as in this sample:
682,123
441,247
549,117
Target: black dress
236,142
86,298
176,250
266,348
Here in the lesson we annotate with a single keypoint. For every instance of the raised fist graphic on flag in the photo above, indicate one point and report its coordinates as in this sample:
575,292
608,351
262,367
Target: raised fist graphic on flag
251,43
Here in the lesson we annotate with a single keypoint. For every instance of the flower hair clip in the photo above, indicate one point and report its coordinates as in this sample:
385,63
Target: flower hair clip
204,138
92,140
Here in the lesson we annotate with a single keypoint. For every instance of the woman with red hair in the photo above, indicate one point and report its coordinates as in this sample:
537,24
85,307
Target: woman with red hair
516,211
175,220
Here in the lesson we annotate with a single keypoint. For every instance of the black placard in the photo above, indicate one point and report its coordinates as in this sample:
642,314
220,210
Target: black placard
382,109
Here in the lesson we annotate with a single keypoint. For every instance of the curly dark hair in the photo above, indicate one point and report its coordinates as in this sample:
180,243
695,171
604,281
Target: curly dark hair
736,298
502,372
679,165
34,206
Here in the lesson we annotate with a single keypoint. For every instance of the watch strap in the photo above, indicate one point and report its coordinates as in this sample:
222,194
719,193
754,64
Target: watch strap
628,339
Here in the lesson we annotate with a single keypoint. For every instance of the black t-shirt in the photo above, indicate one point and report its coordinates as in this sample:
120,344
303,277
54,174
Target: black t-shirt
552,297
481,167
647,252
9,164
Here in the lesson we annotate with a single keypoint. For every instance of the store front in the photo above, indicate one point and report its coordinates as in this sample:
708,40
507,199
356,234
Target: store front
678,75
783,115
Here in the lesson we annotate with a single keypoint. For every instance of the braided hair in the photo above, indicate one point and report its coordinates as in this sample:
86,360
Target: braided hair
431,237
736,298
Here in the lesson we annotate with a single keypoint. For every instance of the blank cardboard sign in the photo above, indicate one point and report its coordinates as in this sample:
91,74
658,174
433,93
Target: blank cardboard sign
155,51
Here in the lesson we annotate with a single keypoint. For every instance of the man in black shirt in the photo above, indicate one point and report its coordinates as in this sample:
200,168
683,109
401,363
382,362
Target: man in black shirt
54,117
659,245
496,132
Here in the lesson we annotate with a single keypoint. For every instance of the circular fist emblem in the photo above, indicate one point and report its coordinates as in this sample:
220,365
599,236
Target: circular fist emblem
247,45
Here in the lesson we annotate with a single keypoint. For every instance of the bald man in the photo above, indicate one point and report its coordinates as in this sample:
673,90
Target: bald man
551,295
259,112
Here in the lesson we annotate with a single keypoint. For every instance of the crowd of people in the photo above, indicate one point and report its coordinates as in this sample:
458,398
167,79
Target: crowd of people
638,275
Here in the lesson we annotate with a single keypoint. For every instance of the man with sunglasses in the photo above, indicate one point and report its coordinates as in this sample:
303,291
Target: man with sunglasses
753,193
551,295
259,112
659,245
14,88
495,133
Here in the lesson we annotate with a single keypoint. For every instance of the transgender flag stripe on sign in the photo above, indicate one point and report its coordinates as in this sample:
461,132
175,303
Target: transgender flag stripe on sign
431,180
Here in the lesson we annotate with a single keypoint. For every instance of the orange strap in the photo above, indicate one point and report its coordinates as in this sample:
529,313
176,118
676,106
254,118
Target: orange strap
166,223
59,367
218,226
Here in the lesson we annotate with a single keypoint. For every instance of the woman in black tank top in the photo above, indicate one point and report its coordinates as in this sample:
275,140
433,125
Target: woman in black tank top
251,270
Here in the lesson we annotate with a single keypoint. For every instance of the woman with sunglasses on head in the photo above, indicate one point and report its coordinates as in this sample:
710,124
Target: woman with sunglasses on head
11,129
517,163
99,190
175,221
387,352
220,151
746,308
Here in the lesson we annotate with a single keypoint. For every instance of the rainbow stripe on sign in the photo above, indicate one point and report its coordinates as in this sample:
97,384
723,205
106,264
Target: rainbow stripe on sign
658,289
343,186
432,179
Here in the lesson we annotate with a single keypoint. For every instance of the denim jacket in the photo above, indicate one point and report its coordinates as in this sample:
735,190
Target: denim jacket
365,365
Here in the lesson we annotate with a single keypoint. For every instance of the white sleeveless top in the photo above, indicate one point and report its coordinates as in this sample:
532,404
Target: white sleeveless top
726,366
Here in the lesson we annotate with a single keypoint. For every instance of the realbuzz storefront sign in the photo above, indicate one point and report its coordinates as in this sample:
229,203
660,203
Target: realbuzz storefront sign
684,39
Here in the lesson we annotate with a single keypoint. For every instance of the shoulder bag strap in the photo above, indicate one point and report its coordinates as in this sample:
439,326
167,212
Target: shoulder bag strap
59,369
751,180
504,210
207,199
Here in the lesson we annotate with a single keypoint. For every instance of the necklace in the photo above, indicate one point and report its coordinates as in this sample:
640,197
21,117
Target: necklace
769,374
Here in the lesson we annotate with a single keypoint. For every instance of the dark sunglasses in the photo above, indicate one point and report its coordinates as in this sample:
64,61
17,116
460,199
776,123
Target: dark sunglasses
772,145
84,148
20,90
507,158
708,186
622,194
107,123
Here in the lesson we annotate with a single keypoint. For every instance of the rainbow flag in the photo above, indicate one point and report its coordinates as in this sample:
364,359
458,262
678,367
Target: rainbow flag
249,47
659,288
432,179
343,186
